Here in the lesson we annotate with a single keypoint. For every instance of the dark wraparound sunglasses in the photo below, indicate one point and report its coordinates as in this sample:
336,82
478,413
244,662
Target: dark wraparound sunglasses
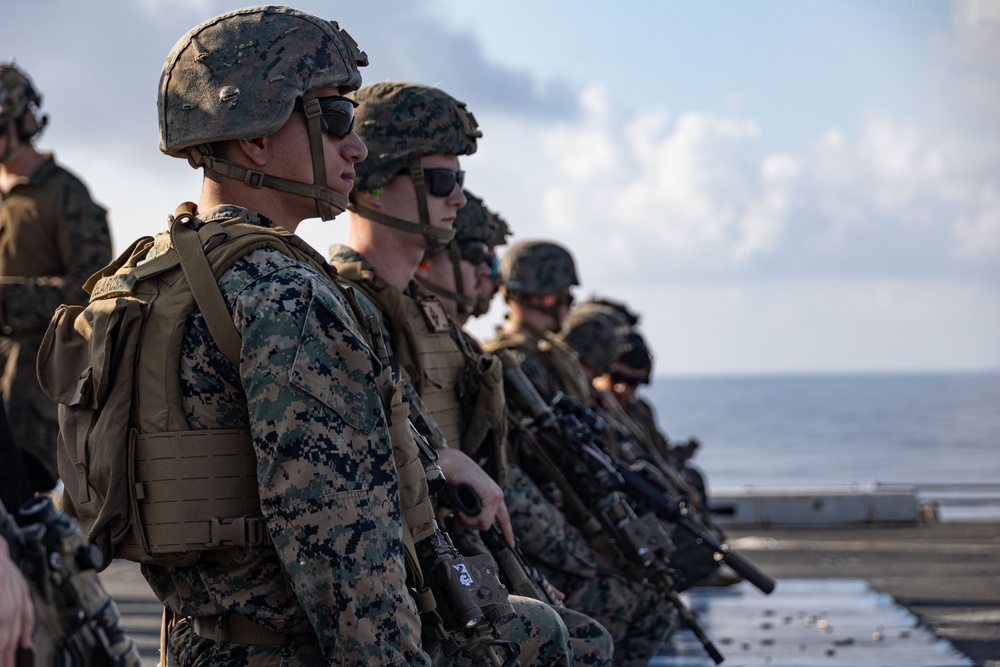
336,114
440,180
474,252
629,380
477,252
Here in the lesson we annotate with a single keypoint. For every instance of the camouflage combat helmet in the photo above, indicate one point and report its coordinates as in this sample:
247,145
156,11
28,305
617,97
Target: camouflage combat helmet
400,123
635,353
474,224
630,316
537,267
240,76
19,103
596,333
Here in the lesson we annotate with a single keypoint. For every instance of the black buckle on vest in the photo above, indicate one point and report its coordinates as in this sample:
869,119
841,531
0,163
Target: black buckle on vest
238,532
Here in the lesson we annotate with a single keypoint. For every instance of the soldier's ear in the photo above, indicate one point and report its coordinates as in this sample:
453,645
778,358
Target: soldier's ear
369,198
255,149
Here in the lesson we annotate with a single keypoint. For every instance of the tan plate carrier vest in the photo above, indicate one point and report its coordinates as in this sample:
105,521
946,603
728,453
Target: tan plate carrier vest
461,387
422,343
144,486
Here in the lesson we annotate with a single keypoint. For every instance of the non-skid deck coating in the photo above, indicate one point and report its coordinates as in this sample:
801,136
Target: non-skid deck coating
947,574
807,622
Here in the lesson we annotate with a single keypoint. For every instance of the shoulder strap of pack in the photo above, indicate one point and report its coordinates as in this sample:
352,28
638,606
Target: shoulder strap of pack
204,285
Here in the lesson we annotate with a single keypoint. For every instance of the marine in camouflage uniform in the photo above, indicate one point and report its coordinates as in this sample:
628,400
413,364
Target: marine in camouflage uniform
639,617
405,200
631,368
52,238
331,587
598,332
464,276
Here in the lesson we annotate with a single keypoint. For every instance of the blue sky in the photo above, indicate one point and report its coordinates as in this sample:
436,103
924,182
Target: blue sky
777,187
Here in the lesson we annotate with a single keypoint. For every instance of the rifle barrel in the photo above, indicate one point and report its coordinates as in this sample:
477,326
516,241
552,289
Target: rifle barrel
668,511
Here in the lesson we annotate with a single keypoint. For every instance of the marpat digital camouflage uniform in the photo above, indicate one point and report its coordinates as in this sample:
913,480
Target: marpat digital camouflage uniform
596,333
334,580
331,588
53,237
459,394
638,616
543,636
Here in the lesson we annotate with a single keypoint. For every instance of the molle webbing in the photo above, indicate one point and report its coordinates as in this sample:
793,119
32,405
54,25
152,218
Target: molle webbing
418,511
484,411
188,490
416,508
185,481
563,360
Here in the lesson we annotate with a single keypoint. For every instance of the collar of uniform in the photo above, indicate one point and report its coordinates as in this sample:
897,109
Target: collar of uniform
229,211
345,254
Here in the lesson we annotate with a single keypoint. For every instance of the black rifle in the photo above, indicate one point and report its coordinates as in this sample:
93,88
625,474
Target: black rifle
638,482
471,603
569,423
520,577
594,489
463,604
77,622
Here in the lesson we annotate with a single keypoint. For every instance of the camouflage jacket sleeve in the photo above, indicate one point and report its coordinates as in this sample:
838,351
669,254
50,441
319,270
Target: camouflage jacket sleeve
327,481
543,531
80,245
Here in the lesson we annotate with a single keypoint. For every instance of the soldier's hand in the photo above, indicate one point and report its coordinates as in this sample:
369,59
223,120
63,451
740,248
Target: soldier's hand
458,468
17,616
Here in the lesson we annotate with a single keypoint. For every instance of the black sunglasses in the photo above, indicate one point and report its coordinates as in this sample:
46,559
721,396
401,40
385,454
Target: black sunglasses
474,252
630,380
440,180
336,114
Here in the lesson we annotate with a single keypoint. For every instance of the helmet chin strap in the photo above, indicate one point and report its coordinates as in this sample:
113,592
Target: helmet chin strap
329,203
11,133
434,237
466,304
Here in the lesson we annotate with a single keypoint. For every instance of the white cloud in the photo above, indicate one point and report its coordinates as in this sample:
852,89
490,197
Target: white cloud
699,194
979,235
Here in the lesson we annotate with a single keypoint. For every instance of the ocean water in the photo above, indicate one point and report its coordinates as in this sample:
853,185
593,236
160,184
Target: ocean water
837,429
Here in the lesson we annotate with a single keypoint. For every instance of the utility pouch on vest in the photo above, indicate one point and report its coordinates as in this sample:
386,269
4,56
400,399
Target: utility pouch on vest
86,364
484,438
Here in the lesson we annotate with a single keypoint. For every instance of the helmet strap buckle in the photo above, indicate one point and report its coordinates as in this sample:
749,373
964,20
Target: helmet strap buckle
254,179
